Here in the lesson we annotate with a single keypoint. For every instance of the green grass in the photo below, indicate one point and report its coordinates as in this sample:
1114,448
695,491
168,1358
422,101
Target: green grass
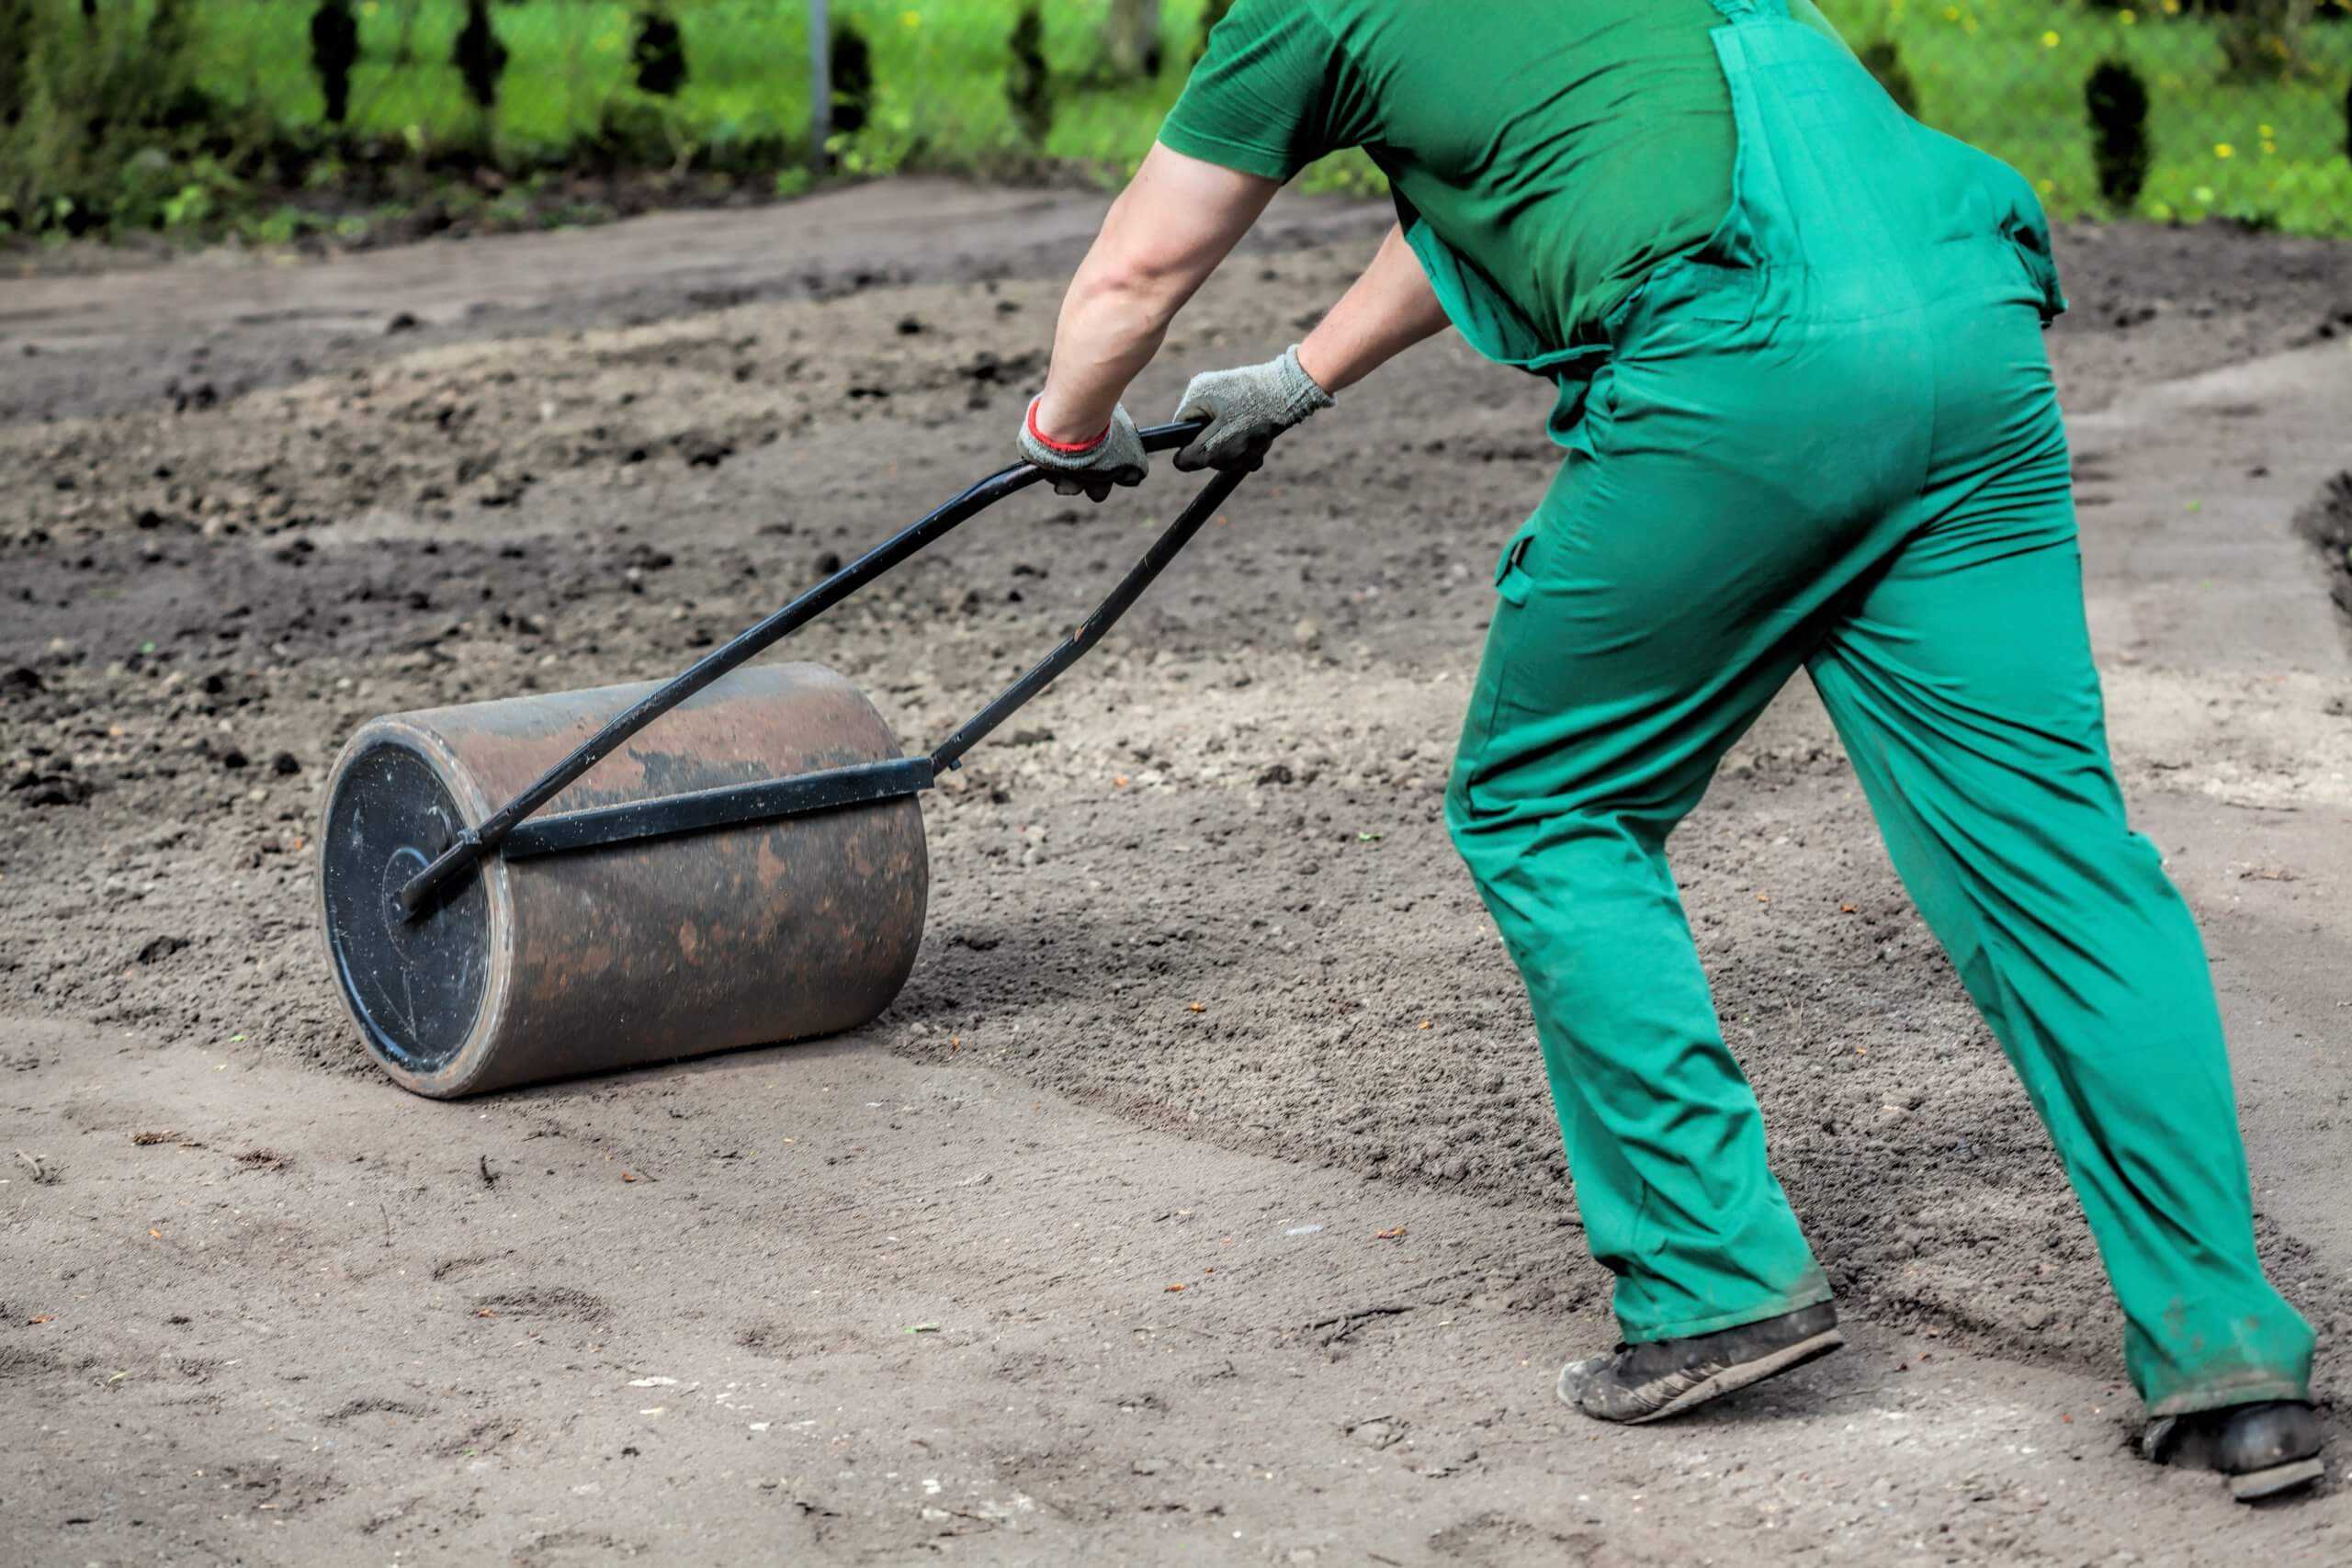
2005,74
2008,77
938,70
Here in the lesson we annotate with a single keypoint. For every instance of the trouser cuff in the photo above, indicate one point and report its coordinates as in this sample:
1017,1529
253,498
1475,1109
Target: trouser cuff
2242,1391
1689,1327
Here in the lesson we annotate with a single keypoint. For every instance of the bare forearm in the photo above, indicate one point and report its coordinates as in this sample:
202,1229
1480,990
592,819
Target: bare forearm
1385,312
1110,325
1165,235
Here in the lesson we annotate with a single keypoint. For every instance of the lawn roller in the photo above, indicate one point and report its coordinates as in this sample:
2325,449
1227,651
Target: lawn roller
750,871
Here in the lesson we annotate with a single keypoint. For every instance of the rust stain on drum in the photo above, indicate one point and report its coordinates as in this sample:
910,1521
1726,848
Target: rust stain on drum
665,948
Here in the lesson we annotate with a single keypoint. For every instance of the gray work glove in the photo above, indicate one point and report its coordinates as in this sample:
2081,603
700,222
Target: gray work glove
1118,458
1246,409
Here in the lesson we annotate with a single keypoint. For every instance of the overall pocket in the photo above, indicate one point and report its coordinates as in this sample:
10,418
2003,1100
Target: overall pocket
2028,241
2026,227
1511,583
1596,399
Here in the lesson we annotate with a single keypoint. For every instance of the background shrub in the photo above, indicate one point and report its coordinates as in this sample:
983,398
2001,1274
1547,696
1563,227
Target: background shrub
853,80
1029,80
480,57
335,49
659,53
2118,104
1885,62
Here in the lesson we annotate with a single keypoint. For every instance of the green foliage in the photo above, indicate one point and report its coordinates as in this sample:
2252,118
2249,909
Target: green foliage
887,143
16,36
935,85
1029,80
631,133
187,206
2009,77
640,130
2262,40
167,29
111,129
2116,100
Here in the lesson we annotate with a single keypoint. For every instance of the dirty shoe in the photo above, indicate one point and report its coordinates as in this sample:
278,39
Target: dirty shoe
1666,1377
2264,1448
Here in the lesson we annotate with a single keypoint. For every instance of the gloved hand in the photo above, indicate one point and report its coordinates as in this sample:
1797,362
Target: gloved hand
1246,409
1115,457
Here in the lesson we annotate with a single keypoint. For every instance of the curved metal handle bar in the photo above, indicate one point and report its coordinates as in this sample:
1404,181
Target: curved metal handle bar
475,842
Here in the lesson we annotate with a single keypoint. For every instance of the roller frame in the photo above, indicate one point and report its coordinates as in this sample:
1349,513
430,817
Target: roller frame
514,832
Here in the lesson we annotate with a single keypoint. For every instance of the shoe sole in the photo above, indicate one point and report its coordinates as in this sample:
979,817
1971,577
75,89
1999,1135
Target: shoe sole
2257,1484
1731,1379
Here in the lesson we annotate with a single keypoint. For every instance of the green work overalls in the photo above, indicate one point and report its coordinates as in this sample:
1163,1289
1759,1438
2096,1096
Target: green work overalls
1829,437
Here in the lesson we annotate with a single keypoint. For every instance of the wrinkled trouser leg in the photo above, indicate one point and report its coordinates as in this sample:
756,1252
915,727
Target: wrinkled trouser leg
1889,500
1961,683
1673,580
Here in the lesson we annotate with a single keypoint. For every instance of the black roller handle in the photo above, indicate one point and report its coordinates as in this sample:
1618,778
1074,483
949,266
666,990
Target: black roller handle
751,801
950,751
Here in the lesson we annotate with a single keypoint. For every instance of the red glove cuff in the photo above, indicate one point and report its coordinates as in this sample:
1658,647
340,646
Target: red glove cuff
1067,448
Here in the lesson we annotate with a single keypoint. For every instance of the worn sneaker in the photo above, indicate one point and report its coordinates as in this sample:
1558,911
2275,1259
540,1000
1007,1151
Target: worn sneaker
2264,1448
1666,1377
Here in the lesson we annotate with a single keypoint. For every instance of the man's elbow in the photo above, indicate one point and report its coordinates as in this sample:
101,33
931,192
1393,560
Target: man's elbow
1152,285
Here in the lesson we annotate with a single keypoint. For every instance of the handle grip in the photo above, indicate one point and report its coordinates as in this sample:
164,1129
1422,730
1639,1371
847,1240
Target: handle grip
1171,437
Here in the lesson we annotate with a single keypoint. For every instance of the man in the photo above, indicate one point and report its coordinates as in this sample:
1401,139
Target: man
1809,422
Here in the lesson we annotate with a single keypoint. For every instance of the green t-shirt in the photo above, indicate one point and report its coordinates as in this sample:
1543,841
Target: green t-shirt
1562,148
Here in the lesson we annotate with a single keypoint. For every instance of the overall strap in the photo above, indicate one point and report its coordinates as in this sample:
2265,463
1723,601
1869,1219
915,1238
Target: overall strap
1752,10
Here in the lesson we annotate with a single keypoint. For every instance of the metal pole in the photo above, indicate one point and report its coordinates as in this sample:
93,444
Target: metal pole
820,83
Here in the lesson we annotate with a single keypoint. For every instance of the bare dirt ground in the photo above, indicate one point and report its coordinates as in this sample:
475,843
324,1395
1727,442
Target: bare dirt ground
1206,1001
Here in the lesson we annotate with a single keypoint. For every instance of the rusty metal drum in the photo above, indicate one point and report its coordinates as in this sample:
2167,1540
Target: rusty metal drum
627,954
